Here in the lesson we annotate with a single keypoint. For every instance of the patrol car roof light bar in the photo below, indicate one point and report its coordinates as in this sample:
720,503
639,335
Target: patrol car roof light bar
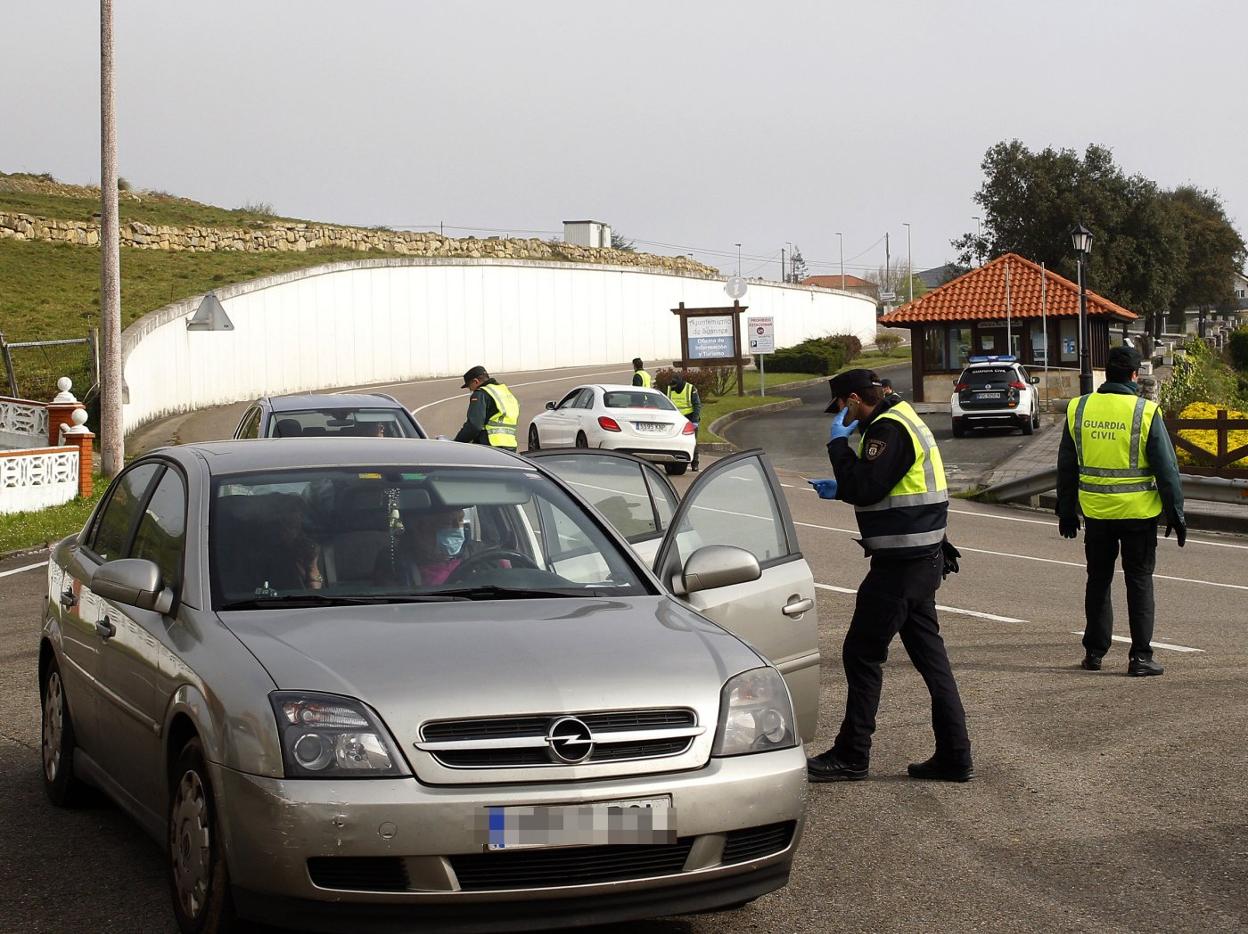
992,358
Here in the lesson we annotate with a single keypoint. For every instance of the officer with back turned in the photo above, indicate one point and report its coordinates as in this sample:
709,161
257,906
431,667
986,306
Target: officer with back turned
493,411
1116,465
896,483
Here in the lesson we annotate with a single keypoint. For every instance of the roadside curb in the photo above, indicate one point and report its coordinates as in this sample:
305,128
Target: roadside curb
725,447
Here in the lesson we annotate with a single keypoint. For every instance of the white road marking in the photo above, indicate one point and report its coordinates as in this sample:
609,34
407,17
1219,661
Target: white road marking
424,382
532,382
29,567
1156,645
944,609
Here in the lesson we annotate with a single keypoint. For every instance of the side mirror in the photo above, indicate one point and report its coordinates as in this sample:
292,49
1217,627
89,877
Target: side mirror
134,582
1035,380
550,406
715,566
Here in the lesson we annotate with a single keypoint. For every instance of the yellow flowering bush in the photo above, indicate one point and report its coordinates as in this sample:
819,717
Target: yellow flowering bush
1208,438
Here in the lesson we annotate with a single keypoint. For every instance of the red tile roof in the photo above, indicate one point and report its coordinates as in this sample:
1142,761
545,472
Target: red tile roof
980,295
834,282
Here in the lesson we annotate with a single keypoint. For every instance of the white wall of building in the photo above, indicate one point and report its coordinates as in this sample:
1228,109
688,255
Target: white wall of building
372,321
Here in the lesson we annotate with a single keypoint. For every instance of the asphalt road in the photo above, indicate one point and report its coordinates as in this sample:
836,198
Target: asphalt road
1102,802
796,438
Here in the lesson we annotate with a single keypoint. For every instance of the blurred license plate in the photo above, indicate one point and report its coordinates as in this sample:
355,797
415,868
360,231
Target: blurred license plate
988,395
650,426
636,820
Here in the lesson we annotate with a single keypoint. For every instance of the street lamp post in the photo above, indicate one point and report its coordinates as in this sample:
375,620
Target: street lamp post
738,246
1081,240
841,241
909,262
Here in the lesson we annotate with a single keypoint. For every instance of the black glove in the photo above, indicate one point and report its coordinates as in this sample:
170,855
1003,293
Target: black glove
1068,526
1180,529
951,556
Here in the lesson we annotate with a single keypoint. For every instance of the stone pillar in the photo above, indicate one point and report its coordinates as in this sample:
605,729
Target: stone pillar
61,409
80,437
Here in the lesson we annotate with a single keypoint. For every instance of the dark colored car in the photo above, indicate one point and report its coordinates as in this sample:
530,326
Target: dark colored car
328,415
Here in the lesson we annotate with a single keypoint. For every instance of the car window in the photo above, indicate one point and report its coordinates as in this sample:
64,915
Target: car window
341,423
249,427
162,530
116,521
569,400
585,400
734,508
615,486
987,376
392,531
635,399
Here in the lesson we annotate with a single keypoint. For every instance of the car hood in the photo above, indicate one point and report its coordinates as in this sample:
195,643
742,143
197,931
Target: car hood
419,662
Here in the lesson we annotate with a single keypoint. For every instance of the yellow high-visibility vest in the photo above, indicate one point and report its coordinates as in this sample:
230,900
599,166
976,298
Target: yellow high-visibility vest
501,426
646,379
683,400
1110,431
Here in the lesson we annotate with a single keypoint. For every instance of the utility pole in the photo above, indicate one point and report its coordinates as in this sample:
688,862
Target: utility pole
888,274
738,246
841,242
782,279
979,254
909,262
112,435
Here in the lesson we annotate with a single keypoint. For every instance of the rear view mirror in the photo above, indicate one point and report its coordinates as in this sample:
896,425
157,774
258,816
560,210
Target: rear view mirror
715,566
550,406
1035,381
134,582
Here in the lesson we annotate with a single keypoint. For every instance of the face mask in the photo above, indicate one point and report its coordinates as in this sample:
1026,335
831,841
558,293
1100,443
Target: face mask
450,541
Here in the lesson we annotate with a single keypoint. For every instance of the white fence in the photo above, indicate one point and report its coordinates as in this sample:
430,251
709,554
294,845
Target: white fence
37,478
23,424
371,321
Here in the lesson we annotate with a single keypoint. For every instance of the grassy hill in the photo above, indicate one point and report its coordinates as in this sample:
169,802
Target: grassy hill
51,290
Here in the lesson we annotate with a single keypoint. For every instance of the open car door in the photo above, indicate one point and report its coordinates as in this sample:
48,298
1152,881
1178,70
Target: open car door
738,502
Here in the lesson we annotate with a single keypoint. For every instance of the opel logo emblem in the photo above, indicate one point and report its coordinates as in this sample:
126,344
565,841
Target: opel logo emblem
570,740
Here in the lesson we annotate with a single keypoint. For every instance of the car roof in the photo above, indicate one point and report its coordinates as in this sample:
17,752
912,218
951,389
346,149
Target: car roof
995,364
326,400
224,457
624,387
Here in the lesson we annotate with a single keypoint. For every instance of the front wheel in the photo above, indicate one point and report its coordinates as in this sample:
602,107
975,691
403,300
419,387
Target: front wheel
63,788
198,880
675,470
535,440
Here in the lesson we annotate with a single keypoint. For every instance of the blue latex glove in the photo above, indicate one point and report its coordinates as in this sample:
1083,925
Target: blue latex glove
825,488
839,429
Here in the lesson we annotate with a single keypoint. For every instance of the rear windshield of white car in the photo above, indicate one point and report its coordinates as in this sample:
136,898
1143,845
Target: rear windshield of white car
997,377
381,534
623,399
341,423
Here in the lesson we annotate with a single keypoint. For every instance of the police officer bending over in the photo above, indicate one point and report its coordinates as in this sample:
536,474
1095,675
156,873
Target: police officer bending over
492,412
896,483
1117,466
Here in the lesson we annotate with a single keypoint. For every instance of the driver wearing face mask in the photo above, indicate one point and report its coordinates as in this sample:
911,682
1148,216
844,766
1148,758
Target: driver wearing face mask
431,547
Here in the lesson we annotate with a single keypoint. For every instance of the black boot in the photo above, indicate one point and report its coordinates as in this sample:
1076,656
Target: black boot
937,771
829,767
1143,667
1091,662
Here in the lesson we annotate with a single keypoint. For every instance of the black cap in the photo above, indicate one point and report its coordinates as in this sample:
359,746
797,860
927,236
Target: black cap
1123,358
475,373
842,384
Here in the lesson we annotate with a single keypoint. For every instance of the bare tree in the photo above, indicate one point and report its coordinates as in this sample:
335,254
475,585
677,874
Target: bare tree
897,281
112,435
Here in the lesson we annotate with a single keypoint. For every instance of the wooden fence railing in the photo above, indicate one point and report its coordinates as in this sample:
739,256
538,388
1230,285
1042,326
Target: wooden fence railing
1216,463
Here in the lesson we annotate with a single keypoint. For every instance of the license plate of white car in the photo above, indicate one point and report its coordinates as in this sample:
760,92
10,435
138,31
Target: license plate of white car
650,426
599,823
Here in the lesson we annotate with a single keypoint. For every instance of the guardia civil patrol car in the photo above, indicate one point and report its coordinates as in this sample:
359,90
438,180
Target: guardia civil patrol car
995,392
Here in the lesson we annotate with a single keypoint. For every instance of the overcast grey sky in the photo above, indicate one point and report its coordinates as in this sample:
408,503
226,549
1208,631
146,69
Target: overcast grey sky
686,123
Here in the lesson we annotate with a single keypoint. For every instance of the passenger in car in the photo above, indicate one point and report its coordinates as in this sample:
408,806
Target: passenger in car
433,545
292,558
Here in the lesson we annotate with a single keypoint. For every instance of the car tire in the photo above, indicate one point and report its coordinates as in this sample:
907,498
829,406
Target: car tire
959,429
1035,417
675,470
581,440
199,882
58,744
1029,425
535,440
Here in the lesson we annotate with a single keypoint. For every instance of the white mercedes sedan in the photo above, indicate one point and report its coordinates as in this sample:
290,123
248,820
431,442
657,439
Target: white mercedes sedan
637,421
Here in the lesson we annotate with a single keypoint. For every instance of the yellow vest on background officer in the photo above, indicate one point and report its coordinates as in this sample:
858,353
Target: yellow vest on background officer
493,412
1116,466
684,396
640,376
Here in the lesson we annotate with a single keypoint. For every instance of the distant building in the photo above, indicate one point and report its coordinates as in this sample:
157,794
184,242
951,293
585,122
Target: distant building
587,233
1035,317
1225,317
939,275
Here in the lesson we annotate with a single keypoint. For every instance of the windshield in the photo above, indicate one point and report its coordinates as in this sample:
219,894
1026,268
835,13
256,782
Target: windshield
314,536
981,377
636,399
342,423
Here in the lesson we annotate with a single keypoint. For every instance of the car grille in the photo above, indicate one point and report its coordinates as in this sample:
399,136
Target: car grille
620,735
757,842
577,865
359,873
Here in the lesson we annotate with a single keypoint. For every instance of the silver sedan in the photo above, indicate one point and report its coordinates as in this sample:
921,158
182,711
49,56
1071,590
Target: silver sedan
409,684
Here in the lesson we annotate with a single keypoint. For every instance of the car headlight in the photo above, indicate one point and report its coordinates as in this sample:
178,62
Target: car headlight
755,714
328,736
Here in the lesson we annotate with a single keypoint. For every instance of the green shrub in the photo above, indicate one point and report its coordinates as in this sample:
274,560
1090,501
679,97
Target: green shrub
798,361
1238,348
849,343
887,342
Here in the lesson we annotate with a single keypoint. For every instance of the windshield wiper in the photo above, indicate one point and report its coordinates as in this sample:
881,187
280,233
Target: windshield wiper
494,592
304,601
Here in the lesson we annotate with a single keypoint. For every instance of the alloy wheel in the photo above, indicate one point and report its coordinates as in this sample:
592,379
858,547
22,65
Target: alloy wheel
190,844
53,726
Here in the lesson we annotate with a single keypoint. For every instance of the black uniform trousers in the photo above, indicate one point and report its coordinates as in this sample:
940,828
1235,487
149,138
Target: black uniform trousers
899,596
1102,539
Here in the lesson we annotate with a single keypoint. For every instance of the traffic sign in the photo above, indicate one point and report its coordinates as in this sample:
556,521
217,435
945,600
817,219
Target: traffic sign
888,296
736,287
762,332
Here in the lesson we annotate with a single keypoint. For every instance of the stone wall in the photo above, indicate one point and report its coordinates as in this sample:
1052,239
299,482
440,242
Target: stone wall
298,238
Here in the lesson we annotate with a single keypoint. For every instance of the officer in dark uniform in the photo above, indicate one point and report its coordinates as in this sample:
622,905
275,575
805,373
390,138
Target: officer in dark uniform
493,411
896,482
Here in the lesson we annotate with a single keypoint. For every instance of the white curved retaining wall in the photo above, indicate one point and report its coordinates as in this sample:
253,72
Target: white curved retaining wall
371,321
